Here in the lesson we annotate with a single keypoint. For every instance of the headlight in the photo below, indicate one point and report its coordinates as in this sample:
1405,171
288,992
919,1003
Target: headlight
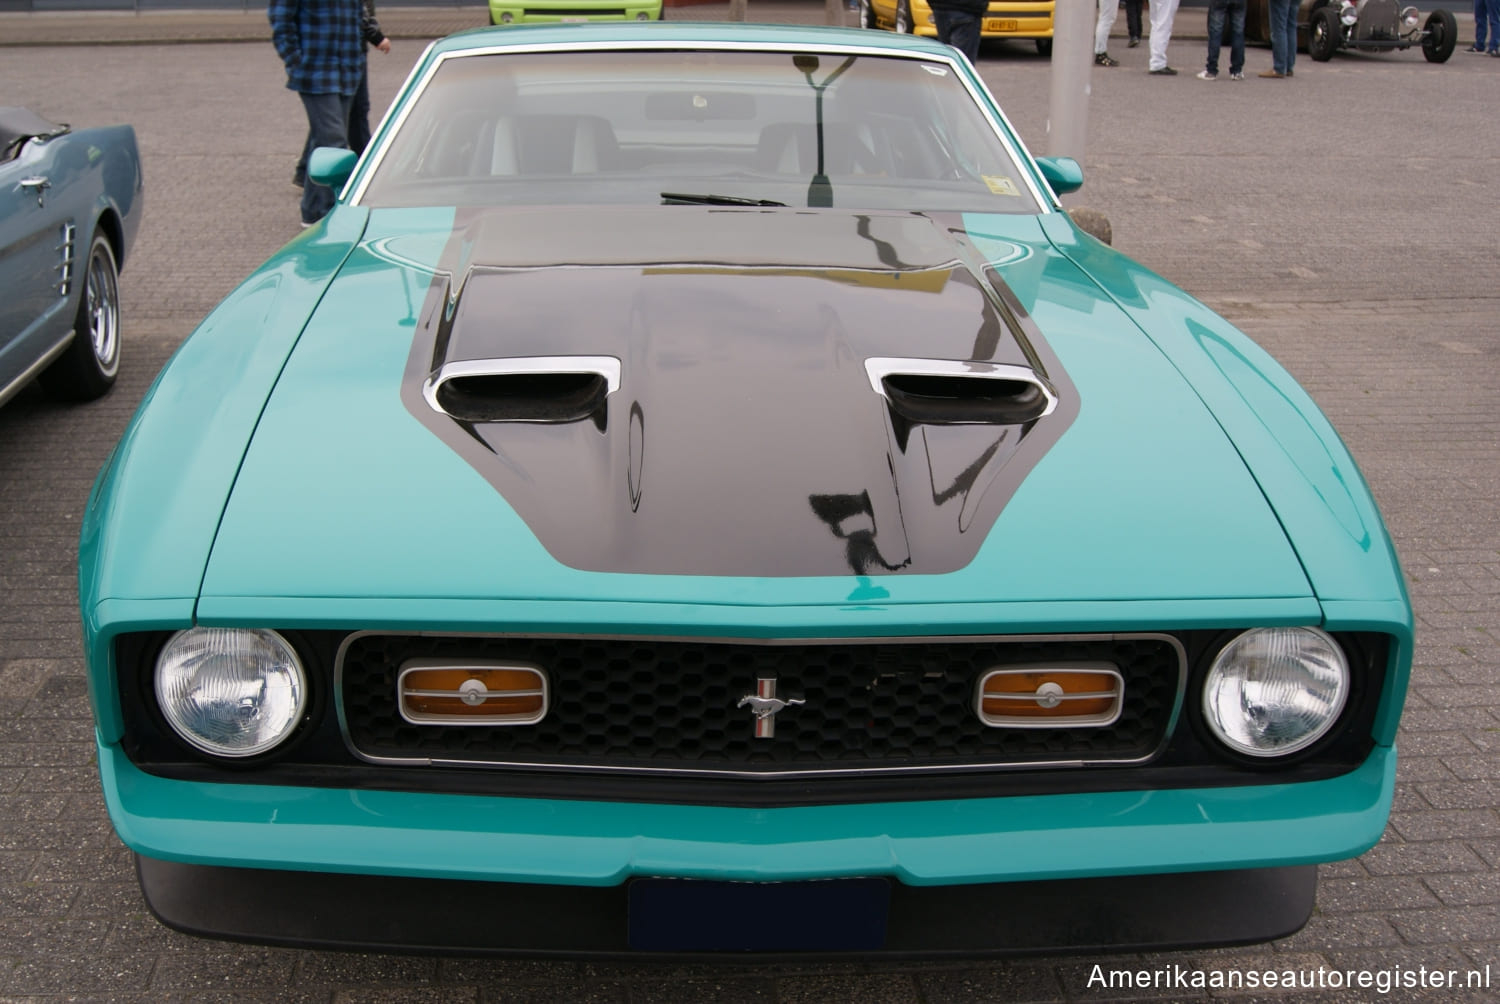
231,692
643,16
1349,13
1410,17
1274,691
506,17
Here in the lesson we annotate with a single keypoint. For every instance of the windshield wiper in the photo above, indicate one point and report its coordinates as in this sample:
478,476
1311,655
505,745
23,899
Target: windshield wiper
690,199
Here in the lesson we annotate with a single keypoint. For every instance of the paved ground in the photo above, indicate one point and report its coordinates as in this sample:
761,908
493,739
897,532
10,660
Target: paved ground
1346,219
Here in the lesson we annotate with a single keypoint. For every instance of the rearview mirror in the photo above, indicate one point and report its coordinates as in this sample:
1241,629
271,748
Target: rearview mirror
331,166
1063,173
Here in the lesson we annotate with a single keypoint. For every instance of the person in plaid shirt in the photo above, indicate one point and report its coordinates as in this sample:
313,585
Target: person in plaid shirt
321,43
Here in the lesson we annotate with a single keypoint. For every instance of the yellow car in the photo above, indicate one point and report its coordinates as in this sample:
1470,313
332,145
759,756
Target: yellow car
550,11
1006,19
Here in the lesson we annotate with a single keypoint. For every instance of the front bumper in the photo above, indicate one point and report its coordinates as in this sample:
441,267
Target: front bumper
934,843
375,913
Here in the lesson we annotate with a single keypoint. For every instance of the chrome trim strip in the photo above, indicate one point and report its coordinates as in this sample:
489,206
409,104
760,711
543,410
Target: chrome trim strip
1062,722
11,389
567,768
880,367
607,367
988,106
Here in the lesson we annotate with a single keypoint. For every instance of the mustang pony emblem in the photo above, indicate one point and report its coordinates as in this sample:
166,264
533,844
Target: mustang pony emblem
765,705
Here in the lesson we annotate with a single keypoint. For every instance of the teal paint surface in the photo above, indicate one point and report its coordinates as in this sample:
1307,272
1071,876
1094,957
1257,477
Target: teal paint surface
604,843
1141,504
376,525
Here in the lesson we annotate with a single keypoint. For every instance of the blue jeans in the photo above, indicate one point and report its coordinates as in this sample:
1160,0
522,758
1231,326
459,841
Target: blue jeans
1487,22
1283,35
959,29
327,125
1234,10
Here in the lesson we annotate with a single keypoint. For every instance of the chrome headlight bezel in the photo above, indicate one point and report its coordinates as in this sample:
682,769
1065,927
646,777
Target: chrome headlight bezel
1298,679
206,678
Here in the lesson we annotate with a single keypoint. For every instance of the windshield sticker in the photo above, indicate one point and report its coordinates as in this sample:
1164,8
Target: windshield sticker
1000,185
936,71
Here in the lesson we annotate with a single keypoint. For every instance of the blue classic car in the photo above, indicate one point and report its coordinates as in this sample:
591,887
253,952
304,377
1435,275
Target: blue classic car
699,492
69,210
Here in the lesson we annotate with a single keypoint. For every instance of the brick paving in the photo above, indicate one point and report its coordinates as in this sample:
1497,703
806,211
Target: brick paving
1345,219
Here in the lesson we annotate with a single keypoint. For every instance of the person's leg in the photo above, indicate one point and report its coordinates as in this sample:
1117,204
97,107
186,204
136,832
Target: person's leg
1133,21
1216,9
1494,19
966,35
359,114
1481,22
1104,24
327,123
959,29
1162,13
1278,34
1236,37
1291,35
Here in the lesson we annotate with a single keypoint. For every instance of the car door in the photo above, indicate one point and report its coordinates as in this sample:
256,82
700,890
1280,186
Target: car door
35,232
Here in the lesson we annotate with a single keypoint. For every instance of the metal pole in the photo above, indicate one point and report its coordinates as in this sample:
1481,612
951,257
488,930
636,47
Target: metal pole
737,9
833,12
1072,59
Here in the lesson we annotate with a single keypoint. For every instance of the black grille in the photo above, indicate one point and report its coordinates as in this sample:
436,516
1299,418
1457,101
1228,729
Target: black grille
651,704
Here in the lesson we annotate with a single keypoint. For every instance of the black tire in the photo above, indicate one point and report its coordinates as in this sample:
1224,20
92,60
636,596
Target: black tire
1442,36
87,368
1044,48
1324,34
904,23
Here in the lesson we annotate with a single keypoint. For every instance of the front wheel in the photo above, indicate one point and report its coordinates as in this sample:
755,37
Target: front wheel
87,367
1324,34
1442,36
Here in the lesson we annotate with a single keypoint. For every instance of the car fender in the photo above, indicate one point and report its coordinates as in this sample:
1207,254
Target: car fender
150,522
1291,450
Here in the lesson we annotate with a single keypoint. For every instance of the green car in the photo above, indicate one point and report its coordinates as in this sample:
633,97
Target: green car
698,493
553,11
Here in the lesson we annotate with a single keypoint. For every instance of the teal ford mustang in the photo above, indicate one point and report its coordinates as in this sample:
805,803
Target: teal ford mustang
698,493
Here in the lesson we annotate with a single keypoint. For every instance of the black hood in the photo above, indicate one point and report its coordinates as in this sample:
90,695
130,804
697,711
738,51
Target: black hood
776,392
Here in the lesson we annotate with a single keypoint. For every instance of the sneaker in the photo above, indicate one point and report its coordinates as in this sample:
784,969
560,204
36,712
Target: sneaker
1272,74
1165,71
1495,52
1474,48
1236,76
1135,40
1206,75
1103,59
1289,73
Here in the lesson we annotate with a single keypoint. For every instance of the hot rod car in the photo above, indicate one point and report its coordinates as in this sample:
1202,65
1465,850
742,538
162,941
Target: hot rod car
1326,26
698,492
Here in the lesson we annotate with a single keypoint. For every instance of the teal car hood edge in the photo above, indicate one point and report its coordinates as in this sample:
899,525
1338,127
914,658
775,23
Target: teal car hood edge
184,450
1303,468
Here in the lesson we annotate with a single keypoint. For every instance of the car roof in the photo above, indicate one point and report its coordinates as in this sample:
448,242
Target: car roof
656,33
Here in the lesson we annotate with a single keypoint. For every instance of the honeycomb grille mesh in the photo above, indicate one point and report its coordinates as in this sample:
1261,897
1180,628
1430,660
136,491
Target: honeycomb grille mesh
652,704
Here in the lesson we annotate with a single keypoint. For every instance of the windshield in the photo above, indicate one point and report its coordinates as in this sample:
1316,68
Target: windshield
698,127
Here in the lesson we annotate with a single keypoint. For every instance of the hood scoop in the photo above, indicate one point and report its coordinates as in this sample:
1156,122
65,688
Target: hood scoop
944,392
524,389
683,393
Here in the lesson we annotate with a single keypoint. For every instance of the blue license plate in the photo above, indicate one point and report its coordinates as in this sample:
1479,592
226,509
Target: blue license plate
697,915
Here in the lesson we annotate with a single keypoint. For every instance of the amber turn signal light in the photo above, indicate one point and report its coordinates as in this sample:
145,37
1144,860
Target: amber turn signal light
1045,697
442,692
